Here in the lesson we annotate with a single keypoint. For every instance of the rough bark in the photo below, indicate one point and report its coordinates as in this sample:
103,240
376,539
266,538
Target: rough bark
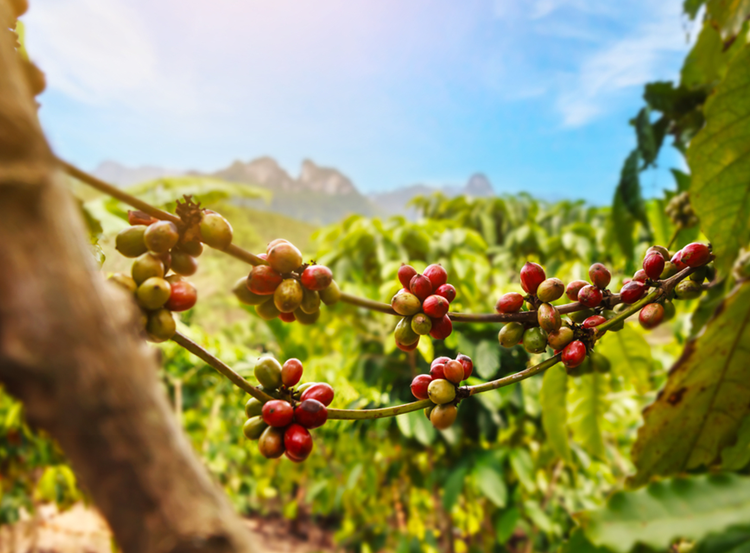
69,349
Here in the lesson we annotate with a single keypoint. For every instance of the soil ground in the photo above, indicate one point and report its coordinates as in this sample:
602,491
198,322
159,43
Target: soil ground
82,530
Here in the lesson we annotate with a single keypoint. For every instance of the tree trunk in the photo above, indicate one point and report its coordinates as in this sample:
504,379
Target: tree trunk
70,350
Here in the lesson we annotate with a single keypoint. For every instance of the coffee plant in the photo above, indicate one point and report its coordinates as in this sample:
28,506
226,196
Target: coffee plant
429,435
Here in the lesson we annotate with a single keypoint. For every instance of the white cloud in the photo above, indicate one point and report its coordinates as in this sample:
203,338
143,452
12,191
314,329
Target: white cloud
629,62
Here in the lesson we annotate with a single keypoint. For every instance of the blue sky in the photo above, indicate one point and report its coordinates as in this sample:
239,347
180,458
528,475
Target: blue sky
534,93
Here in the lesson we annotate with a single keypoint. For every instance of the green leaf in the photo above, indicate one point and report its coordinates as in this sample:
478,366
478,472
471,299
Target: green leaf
691,7
422,429
719,159
630,356
621,226
688,508
490,482
454,485
587,404
554,411
506,524
708,60
707,394
487,360
579,544
737,456
728,15
523,466
732,540
647,143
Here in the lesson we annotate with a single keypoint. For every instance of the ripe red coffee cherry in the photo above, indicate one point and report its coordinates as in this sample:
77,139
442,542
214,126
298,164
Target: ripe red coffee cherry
651,316
467,363
278,413
509,303
316,277
182,297
215,231
136,217
273,242
594,320
291,372
437,275
661,250
454,371
695,254
653,265
447,291
435,306
405,274
420,286
574,354
287,317
599,275
574,288
321,391
640,275
407,348
311,413
442,416
284,257
548,317
550,290
271,443
298,442
632,291
590,296
437,367
419,386
678,262
532,275
263,280
441,328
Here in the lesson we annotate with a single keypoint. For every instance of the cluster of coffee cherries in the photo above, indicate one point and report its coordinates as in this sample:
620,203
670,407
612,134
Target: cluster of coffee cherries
282,426
575,337
158,248
441,387
680,211
286,288
423,303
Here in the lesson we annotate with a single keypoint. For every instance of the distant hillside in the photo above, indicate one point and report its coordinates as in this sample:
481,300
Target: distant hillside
394,202
320,195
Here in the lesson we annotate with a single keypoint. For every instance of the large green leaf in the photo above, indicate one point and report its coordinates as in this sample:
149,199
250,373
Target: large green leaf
707,62
490,482
707,395
737,456
728,15
732,540
719,158
629,188
587,404
554,410
630,356
688,508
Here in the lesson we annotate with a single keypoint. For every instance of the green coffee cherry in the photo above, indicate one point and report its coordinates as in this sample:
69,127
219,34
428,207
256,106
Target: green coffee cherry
153,293
421,324
550,290
145,267
428,411
331,294
404,333
129,242
670,269
535,340
267,310
310,301
192,248
254,427
253,408
216,231
441,391
160,326
161,237
406,304
580,316
306,318
124,281
669,310
510,334
268,372
245,296
688,290
288,295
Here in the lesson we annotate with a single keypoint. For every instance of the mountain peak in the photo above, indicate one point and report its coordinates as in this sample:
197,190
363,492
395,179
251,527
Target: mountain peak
479,185
324,179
